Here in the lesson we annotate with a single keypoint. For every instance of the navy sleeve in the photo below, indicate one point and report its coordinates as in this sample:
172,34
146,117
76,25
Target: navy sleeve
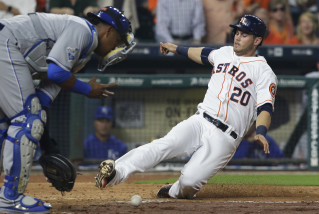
265,107
204,55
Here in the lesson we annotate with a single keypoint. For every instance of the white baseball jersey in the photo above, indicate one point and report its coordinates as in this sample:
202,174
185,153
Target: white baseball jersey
238,86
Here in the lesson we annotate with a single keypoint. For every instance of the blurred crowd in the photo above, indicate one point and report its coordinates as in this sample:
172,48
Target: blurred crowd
192,21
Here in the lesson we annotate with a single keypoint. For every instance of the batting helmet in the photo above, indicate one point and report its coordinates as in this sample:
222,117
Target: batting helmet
250,24
116,19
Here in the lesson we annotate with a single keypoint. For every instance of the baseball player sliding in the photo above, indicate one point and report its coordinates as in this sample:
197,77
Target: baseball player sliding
241,90
50,47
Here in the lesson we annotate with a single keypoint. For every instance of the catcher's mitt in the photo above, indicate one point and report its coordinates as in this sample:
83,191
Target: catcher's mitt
59,171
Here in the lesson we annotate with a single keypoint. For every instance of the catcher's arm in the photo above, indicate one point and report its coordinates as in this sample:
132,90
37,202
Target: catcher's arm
68,81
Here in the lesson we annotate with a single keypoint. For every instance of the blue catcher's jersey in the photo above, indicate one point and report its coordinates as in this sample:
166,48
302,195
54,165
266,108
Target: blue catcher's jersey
254,150
113,148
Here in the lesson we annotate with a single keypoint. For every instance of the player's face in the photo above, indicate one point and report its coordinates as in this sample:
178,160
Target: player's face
245,44
108,41
103,127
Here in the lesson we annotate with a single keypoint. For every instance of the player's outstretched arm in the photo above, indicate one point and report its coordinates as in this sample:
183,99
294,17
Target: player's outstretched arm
192,53
262,123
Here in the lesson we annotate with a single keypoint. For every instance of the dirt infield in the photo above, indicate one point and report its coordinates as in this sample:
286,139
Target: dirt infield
216,198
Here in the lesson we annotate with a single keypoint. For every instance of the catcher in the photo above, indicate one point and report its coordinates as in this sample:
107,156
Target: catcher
51,48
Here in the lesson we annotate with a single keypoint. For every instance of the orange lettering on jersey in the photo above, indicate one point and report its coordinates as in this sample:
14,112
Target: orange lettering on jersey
272,89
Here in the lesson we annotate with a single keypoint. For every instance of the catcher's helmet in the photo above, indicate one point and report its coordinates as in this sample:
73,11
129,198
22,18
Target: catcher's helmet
116,19
250,24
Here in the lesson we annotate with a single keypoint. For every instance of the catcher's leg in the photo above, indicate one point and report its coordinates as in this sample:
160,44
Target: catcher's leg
21,142
182,140
3,133
16,102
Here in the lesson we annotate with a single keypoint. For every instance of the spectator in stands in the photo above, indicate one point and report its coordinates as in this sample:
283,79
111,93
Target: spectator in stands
252,5
9,8
306,5
102,144
127,6
271,37
306,30
73,7
146,10
180,21
280,19
218,15
249,148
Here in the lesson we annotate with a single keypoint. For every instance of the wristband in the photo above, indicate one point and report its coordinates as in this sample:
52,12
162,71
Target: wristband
181,50
261,130
81,87
9,9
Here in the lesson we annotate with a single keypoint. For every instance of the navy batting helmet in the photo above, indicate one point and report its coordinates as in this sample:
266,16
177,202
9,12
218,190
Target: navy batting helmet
250,24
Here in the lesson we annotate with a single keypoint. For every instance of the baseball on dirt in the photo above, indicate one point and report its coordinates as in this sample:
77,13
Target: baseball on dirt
136,200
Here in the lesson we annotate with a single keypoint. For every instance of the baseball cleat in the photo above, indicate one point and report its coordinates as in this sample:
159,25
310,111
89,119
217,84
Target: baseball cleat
163,191
24,204
106,173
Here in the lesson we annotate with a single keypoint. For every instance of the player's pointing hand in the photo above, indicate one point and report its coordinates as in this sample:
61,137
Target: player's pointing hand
165,48
263,141
100,90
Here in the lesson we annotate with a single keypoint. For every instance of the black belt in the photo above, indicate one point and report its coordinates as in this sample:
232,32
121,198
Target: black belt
219,125
1,26
182,37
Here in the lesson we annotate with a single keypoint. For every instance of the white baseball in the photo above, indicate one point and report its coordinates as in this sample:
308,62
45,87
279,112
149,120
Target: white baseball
136,200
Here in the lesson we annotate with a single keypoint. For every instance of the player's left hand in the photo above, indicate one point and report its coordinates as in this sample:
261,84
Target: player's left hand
100,90
263,141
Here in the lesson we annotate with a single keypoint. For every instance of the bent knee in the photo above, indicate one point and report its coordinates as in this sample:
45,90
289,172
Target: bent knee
190,185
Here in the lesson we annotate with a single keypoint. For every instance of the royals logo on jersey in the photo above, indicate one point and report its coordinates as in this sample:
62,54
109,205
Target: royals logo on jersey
72,53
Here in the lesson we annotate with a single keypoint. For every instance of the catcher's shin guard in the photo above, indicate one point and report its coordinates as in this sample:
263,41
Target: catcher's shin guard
21,142
106,173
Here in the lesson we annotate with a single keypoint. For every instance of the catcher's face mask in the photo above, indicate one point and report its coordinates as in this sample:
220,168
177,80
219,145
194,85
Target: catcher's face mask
116,19
118,54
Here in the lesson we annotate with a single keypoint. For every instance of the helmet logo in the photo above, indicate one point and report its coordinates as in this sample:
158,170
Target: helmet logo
243,20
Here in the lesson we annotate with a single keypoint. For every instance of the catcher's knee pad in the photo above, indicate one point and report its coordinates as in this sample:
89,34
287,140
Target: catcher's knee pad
24,134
